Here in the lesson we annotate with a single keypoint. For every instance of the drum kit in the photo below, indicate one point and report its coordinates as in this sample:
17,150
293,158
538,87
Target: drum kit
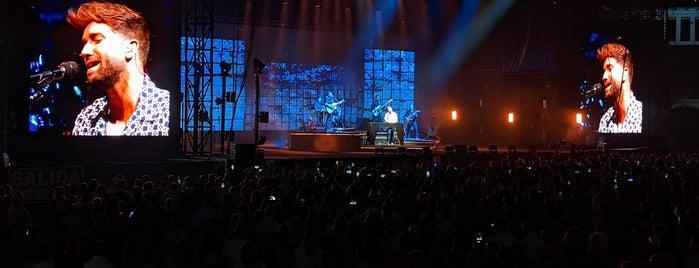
314,117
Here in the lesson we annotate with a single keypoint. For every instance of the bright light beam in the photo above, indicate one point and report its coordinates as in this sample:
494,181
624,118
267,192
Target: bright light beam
465,36
388,10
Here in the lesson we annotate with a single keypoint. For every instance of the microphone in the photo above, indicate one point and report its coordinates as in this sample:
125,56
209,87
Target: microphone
596,88
66,69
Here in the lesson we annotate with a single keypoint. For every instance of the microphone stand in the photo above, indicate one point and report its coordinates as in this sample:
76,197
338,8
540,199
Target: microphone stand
258,70
38,87
224,75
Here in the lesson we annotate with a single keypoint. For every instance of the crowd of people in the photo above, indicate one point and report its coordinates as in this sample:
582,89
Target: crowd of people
585,209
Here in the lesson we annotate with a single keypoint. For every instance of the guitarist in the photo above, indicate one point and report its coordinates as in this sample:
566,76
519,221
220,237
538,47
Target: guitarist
331,107
410,118
377,106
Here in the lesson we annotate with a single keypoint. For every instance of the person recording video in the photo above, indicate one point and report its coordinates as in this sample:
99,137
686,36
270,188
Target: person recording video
626,113
115,50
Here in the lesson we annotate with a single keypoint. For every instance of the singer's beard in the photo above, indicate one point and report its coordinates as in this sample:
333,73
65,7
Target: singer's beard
107,75
613,90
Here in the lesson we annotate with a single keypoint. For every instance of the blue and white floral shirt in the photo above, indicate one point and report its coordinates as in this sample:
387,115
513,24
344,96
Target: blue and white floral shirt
632,122
151,118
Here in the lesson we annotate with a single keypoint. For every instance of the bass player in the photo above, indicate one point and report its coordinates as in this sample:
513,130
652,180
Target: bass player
377,106
410,118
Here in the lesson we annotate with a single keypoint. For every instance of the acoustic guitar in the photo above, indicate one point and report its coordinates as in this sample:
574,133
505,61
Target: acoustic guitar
432,133
332,107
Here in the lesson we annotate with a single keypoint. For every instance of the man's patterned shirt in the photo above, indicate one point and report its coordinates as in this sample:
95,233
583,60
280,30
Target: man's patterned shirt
632,123
151,118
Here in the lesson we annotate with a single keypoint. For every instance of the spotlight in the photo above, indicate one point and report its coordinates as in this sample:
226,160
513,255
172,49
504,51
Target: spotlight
493,149
219,101
473,149
259,65
225,67
198,68
204,116
264,117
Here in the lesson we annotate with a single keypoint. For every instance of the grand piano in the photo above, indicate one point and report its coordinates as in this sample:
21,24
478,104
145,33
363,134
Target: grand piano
379,128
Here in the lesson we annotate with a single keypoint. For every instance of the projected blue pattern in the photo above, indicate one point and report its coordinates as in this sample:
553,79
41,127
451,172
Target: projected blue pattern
288,91
390,74
232,52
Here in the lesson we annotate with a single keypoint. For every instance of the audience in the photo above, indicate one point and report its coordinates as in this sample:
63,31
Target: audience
618,209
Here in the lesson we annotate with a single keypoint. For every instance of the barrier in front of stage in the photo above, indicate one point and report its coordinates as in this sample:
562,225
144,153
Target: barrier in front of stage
326,142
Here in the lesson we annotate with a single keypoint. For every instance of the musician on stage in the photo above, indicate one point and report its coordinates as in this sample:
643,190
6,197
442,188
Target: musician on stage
390,117
410,118
376,104
376,107
333,110
319,109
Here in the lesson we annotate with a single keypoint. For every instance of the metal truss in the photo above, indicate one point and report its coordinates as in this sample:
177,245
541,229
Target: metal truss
198,64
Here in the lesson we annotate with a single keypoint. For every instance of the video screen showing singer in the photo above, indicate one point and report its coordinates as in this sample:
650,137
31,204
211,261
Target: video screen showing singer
115,50
626,113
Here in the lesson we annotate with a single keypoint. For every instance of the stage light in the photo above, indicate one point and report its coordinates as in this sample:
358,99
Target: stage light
204,116
225,68
198,68
578,118
473,149
510,118
493,149
264,117
512,149
219,101
454,115
259,65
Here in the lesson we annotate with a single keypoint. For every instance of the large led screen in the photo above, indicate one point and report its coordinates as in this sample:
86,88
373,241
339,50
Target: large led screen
103,69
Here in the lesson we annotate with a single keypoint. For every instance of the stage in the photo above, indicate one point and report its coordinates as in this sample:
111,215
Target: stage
353,141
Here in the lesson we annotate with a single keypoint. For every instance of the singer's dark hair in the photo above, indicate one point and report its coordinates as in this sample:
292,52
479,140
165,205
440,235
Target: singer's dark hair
122,19
618,52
